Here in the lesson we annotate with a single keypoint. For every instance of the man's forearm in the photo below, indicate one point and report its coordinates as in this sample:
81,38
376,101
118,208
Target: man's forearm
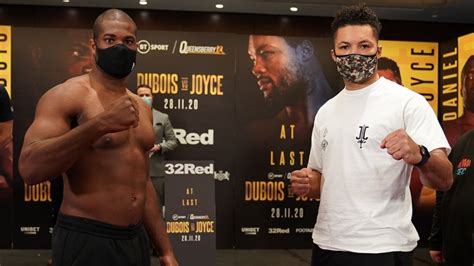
41,160
154,223
315,185
437,173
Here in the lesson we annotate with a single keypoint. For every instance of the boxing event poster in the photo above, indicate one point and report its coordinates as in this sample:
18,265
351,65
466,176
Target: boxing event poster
449,91
418,66
6,163
465,71
458,90
190,211
279,90
41,59
415,66
192,80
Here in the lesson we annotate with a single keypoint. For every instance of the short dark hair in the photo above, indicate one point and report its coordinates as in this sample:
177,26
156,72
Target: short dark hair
144,86
385,63
113,14
356,15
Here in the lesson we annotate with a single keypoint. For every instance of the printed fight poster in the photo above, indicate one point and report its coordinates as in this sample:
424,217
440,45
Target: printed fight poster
6,142
192,80
415,66
458,92
281,84
38,66
190,211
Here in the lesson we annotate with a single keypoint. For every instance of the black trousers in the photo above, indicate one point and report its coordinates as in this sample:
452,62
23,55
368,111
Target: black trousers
321,257
85,242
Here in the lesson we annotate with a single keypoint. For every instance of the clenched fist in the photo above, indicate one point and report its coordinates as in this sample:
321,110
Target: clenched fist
121,115
300,181
400,146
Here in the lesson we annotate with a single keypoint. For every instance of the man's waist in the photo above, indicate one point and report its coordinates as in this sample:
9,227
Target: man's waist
98,228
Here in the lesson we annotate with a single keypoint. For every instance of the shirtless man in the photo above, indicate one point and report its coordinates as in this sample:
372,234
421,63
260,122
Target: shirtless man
98,133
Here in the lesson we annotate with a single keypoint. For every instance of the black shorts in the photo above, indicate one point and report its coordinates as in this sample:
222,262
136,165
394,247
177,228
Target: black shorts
80,241
322,257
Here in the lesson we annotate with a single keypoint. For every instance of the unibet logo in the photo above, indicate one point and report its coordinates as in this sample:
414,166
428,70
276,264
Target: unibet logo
206,138
29,230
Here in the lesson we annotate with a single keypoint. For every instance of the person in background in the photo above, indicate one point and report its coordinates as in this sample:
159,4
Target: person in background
165,141
389,69
452,231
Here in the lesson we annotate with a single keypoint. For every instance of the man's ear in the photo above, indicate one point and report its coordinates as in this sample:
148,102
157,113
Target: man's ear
333,55
92,44
306,50
379,51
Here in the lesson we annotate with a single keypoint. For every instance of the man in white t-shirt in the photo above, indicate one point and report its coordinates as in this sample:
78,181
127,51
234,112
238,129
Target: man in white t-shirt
365,142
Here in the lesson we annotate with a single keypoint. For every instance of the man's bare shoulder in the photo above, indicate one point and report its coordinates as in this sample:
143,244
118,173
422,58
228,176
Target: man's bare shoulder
66,97
71,90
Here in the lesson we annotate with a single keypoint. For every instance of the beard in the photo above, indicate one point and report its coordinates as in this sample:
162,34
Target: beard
281,97
469,100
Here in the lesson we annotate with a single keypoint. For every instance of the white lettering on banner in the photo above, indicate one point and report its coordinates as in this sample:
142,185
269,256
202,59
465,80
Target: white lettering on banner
192,138
144,46
177,217
304,230
184,48
188,168
221,175
278,230
250,230
29,230
198,217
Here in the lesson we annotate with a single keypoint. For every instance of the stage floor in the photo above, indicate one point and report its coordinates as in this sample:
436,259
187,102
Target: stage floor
224,257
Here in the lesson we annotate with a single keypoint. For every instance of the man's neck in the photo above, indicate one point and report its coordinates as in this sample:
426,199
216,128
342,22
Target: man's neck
357,86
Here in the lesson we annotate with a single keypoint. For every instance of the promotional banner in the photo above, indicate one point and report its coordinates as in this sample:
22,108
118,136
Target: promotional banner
190,211
40,64
6,143
458,102
415,66
192,80
279,91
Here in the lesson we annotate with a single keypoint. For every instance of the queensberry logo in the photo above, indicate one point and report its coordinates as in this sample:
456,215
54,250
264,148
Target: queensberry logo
463,165
185,48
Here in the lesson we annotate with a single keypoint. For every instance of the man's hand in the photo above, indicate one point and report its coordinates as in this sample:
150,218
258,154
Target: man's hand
168,260
156,148
300,183
400,146
122,114
437,256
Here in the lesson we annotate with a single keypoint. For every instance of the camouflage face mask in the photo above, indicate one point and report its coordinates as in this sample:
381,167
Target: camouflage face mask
356,68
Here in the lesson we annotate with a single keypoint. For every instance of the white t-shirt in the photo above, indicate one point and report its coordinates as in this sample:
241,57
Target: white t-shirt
365,197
